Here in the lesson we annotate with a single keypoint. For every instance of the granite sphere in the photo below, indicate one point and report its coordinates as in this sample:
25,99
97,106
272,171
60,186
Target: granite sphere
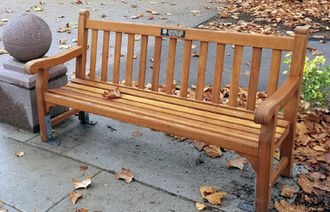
27,37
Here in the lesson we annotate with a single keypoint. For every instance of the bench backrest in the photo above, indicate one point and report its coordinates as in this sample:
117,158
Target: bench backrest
297,45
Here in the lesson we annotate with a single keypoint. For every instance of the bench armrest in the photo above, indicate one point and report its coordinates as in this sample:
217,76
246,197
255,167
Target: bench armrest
265,112
33,66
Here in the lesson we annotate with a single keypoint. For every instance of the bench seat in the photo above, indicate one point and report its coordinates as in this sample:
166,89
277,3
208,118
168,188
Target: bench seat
213,124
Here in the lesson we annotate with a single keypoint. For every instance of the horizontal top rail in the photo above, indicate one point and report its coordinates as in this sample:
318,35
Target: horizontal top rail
260,41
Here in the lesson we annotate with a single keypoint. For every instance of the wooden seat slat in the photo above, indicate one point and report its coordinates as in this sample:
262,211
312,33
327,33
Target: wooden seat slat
156,63
143,61
170,66
175,100
93,55
200,84
219,119
235,75
274,72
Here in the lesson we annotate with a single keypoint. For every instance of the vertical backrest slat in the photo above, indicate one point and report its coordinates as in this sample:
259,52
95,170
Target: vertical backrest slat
143,61
274,72
82,41
185,68
156,64
201,70
129,60
93,54
235,75
219,59
105,55
254,77
170,66
116,65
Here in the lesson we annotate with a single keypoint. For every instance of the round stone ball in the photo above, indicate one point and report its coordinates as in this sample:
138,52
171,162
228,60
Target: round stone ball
27,37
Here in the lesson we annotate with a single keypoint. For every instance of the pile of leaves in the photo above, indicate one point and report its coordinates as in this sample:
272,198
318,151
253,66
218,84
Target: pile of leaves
271,16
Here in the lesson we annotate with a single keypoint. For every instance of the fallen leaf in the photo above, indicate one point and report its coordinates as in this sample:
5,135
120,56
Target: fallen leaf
37,8
195,54
65,47
112,94
83,184
62,41
5,20
82,210
82,168
133,5
319,148
237,162
288,191
3,210
213,151
305,184
207,190
136,134
215,198
125,174
19,154
200,206
3,51
74,196
199,145
284,206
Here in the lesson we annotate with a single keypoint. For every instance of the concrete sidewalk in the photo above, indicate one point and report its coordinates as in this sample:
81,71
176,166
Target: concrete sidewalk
168,173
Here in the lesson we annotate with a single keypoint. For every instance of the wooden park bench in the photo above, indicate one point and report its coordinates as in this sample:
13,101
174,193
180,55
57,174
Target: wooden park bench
252,133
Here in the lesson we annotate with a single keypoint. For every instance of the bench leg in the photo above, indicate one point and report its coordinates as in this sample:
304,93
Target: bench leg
265,166
84,118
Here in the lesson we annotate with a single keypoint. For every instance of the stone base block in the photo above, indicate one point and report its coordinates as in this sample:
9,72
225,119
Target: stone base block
18,96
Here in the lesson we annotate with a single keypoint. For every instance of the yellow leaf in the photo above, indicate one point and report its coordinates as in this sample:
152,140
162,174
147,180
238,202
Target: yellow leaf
74,197
200,206
319,148
277,155
213,151
207,190
83,184
82,210
284,206
215,198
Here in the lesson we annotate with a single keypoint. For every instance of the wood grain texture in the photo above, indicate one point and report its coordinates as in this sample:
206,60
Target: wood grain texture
185,68
274,72
235,75
105,56
156,63
143,61
116,65
254,78
218,69
170,66
129,60
200,84
93,55
82,41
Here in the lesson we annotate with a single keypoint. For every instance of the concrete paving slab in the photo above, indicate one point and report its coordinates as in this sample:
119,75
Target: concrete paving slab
7,208
38,180
108,194
15,133
159,161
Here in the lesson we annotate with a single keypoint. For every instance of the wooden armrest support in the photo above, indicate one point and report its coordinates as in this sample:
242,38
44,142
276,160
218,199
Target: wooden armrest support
265,112
33,66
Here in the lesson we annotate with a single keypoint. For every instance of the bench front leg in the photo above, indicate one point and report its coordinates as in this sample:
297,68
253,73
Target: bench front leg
265,165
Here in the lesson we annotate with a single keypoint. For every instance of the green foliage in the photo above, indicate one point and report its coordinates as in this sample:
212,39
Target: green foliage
316,81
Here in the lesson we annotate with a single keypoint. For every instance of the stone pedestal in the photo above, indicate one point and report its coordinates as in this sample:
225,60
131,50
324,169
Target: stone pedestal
17,94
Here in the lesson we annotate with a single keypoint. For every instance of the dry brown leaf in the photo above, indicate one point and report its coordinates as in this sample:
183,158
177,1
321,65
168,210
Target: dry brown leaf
215,198
200,206
237,162
19,154
83,184
207,190
284,206
82,210
75,196
199,145
195,54
112,94
213,151
288,191
136,134
305,184
82,168
125,174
